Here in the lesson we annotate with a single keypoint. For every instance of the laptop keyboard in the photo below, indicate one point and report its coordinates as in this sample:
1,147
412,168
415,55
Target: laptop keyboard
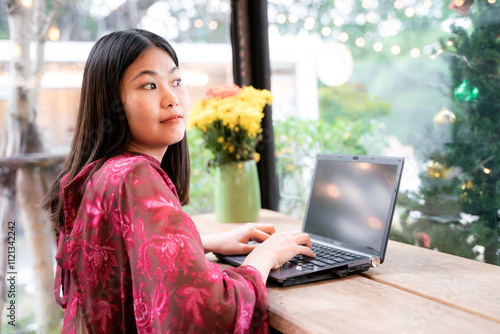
325,256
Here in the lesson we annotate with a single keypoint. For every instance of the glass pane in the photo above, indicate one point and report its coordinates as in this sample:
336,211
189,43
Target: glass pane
401,78
199,32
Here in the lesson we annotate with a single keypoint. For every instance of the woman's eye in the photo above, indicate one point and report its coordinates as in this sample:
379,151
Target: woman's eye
177,82
149,86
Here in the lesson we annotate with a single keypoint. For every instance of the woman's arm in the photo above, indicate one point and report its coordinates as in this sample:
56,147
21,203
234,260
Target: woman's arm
174,285
278,249
272,251
235,242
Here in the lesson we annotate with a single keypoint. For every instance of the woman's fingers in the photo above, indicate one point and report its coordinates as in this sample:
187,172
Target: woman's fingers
304,244
260,232
306,251
247,248
303,239
267,228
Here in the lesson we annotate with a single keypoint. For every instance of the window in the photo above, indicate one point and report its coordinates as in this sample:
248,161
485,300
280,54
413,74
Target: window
403,78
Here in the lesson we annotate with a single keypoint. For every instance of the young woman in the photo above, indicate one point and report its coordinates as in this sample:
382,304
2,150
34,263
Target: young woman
129,259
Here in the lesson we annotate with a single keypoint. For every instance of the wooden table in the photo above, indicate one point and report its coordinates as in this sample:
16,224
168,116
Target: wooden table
416,290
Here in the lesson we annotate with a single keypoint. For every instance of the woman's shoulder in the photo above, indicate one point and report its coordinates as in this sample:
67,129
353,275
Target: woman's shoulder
127,164
135,168
128,161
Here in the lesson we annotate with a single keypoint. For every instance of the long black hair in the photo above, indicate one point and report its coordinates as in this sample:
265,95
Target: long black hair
102,130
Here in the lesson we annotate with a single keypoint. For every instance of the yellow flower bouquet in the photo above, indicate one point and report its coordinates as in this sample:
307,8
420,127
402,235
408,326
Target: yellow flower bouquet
229,118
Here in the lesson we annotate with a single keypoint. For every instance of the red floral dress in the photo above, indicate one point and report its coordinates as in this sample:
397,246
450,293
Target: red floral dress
129,259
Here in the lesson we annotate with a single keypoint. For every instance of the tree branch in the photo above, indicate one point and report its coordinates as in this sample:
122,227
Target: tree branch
49,19
11,6
31,160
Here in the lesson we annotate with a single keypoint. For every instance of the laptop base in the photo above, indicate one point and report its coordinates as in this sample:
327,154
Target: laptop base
313,276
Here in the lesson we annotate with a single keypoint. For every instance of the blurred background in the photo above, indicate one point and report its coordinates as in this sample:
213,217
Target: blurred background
412,78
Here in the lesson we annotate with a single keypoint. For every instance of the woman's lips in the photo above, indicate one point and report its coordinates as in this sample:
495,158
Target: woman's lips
172,118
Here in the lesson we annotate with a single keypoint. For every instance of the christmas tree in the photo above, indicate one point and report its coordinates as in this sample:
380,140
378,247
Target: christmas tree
475,47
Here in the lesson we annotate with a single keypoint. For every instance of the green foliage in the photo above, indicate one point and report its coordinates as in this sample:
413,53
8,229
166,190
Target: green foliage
235,146
408,32
473,189
201,192
446,233
349,124
476,149
309,137
350,101
436,212
298,142
4,25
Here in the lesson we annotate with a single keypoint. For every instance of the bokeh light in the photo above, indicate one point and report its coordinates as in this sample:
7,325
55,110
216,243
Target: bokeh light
343,37
326,31
212,25
334,64
360,42
338,21
54,34
281,18
396,49
378,46
309,23
415,52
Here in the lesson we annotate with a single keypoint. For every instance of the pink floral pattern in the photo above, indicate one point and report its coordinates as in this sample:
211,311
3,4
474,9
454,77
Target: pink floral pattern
133,261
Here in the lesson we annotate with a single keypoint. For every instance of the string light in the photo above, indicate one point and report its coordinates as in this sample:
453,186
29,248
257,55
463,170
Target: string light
17,51
378,46
281,18
309,23
326,31
343,37
338,21
293,18
459,3
492,1
396,49
54,34
410,11
371,17
26,3
212,25
415,53
198,23
436,54
360,41
450,43
486,170
427,3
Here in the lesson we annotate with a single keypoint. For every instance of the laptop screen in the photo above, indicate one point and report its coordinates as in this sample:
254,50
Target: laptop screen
352,201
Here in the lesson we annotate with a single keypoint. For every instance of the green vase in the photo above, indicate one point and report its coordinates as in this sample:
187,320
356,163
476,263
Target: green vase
237,192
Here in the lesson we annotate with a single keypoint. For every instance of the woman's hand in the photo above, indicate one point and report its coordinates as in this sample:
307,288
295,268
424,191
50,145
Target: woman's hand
278,249
235,242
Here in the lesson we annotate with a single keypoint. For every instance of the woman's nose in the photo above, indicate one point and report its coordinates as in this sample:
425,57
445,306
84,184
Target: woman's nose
169,99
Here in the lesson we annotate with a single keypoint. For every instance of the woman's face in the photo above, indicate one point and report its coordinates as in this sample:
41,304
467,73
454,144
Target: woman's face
155,101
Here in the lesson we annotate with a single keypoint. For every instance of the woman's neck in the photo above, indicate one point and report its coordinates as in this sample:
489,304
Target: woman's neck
156,155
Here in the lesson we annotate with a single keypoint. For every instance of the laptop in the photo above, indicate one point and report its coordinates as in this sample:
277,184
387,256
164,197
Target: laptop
348,218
